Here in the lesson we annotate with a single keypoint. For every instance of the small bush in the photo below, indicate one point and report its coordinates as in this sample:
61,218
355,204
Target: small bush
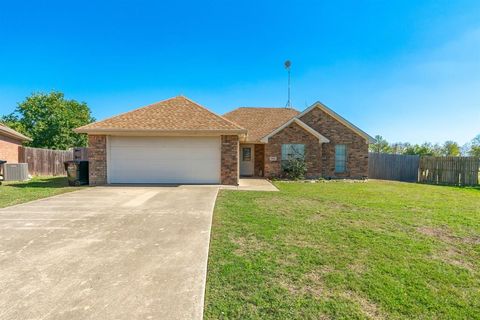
294,169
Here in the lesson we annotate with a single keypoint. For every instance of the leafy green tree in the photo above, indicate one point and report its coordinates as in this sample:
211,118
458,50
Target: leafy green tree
49,119
400,147
381,145
475,147
451,148
425,149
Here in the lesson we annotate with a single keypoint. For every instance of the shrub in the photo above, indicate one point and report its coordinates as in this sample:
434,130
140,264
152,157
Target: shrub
294,169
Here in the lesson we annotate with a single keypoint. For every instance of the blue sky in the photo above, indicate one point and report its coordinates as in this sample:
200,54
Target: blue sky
408,70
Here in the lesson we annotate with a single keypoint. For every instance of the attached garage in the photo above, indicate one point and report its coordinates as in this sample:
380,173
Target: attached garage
163,159
174,141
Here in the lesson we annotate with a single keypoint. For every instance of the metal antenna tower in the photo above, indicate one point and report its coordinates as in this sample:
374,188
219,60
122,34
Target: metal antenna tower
287,65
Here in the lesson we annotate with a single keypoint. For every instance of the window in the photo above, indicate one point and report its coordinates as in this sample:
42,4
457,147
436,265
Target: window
340,158
246,154
293,151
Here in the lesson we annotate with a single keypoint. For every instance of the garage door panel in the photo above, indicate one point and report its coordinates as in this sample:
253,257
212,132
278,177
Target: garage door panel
164,160
166,155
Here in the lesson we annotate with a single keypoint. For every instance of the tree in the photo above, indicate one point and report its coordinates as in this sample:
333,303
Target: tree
426,149
49,119
475,147
381,145
451,148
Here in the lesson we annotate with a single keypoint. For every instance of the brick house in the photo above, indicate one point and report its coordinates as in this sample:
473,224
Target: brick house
10,141
331,146
179,141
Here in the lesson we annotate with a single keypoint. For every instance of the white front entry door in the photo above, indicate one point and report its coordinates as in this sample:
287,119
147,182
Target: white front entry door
246,160
163,160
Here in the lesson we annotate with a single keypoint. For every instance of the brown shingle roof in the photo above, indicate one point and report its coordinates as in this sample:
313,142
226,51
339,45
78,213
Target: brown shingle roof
260,121
9,132
174,114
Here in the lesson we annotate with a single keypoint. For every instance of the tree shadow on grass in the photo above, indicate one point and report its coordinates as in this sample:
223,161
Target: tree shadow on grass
476,187
473,188
50,182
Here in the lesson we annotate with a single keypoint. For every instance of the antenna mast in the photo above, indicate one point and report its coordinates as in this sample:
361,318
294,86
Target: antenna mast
288,64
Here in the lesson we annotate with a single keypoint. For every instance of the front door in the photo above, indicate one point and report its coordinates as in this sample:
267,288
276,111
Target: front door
246,160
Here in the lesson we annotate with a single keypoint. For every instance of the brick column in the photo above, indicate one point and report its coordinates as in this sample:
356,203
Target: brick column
229,160
97,157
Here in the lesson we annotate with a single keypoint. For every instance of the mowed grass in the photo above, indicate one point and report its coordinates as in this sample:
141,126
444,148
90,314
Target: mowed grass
340,250
12,193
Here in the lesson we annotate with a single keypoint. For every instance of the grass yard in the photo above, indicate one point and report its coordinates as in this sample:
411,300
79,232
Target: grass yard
39,187
339,250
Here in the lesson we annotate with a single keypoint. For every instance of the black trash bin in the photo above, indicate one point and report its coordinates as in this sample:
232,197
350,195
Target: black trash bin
2,171
77,172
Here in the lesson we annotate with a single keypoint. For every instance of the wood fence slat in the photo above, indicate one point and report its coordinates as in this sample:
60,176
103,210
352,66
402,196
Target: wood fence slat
45,162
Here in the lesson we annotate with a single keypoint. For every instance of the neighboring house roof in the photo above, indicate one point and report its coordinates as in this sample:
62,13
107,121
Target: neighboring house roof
9,132
260,121
175,115
339,118
302,124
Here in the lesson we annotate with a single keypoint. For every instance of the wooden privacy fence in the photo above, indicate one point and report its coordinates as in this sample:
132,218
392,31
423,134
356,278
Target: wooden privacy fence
45,162
80,153
463,171
393,166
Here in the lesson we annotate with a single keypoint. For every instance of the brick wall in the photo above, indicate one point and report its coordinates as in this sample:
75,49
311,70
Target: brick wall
259,160
9,149
338,133
97,157
229,160
293,134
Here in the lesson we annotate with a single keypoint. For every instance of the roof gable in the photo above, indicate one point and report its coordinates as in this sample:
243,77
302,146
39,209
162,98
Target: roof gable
171,115
260,121
303,125
340,119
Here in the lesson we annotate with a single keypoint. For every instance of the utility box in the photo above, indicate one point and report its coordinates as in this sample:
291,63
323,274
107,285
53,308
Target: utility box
15,171
77,172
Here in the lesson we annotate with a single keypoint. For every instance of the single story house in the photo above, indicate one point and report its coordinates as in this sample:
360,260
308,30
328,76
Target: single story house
10,142
180,141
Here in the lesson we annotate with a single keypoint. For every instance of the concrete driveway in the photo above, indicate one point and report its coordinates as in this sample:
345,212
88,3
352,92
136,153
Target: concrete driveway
107,253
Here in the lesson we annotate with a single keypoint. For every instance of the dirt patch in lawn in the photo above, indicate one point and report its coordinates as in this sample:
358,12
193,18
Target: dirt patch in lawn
311,283
318,216
248,244
454,256
370,309
446,235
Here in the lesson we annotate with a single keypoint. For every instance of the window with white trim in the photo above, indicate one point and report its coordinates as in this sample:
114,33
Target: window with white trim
340,158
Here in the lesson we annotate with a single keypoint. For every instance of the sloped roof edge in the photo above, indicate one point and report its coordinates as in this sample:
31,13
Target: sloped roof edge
302,124
339,118
9,132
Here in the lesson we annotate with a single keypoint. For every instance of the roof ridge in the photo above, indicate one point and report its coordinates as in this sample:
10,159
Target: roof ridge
174,112
221,117
127,112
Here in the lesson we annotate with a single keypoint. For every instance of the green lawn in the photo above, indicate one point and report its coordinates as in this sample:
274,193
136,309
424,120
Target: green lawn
39,187
340,250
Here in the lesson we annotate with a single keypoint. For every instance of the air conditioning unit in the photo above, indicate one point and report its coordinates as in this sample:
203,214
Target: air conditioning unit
15,171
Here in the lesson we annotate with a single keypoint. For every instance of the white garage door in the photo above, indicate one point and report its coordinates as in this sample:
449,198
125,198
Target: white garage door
163,160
